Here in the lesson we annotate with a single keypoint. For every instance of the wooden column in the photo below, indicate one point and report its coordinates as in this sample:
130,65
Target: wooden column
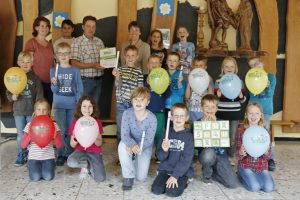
291,101
127,12
8,21
60,6
268,31
30,10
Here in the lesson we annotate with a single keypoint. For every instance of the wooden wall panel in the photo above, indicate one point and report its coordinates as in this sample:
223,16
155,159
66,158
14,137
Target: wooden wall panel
8,22
291,101
268,31
30,10
60,6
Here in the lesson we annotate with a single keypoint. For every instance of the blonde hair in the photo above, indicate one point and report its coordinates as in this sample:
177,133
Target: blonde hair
63,45
142,92
25,55
229,59
41,101
261,122
209,98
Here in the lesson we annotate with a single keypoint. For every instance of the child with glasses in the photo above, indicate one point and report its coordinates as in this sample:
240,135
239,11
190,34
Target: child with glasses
67,89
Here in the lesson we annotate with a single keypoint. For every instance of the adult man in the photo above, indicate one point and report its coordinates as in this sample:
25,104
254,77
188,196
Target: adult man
86,56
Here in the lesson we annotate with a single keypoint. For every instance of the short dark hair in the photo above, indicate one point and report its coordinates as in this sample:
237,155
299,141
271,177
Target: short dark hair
173,54
132,48
89,18
134,24
200,58
37,22
68,22
209,98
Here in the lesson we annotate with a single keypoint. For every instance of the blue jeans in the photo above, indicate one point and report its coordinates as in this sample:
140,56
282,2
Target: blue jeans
254,181
63,118
137,168
21,121
92,87
41,169
121,107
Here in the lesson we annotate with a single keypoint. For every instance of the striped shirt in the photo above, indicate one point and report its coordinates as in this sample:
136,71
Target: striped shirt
37,153
130,78
230,109
87,51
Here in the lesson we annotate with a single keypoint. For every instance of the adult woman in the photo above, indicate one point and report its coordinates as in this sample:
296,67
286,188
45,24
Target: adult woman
156,46
144,48
43,53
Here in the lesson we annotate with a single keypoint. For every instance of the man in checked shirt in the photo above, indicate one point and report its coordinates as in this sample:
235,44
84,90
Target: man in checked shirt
86,56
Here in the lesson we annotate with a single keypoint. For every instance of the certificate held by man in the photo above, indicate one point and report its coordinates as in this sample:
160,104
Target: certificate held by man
108,57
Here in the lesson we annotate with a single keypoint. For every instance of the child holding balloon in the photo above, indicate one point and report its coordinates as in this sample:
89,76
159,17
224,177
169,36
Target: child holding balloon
23,103
67,88
265,99
89,159
175,151
253,171
230,108
138,131
41,163
193,98
157,101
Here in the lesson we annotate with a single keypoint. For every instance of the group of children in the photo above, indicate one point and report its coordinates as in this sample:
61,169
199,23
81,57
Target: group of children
141,117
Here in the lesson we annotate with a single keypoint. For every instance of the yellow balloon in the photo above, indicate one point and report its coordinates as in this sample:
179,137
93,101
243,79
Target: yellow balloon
159,80
256,80
15,80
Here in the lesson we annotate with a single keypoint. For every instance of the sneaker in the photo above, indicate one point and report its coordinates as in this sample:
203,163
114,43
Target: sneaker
272,165
207,180
20,160
127,183
84,172
60,161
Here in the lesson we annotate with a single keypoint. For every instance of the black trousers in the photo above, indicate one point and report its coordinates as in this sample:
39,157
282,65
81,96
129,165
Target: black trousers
159,185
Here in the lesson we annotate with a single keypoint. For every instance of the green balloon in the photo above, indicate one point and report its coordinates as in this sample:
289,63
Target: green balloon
159,80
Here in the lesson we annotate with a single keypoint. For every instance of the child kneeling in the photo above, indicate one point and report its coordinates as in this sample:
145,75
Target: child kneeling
176,154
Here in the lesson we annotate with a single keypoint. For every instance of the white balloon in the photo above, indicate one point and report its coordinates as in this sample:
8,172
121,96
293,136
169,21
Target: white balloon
199,80
86,131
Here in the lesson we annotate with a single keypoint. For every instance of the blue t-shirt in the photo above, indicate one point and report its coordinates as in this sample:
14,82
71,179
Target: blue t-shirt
68,89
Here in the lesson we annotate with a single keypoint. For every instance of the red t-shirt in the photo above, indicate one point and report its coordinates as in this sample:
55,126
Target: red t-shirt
43,59
93,148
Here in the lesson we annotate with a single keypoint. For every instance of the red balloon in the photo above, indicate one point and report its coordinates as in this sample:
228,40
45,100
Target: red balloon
41,130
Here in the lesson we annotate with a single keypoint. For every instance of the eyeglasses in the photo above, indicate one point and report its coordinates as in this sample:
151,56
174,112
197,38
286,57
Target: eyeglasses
63,54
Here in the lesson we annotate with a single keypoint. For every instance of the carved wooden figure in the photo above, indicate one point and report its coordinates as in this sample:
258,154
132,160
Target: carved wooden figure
220,17
244,16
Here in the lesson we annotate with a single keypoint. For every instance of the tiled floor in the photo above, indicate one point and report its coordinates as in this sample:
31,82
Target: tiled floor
14,182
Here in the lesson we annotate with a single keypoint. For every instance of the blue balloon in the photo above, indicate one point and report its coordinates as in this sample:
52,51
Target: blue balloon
230,86
256,141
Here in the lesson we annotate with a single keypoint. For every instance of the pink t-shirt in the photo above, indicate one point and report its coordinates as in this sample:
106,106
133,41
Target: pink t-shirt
93,148
43,59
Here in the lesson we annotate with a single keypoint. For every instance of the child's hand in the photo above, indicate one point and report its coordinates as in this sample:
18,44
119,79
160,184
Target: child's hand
135,149
166,145
210,117
54,80
243,151
116,73
15,97
219,93
180,79
171,182
241,95
98,141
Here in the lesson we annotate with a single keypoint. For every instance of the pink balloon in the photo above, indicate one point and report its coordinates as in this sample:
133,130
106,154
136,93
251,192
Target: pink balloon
86,131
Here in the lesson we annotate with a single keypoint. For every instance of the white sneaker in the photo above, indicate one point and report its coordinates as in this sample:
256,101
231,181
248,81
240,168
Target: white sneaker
83,173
